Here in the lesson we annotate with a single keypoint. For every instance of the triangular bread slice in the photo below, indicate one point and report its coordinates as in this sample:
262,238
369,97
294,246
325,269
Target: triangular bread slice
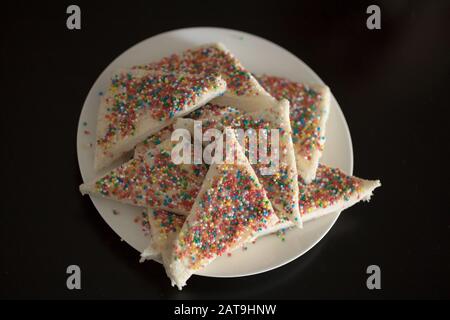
153,140
243,90
231,206
159,137
152,180
139,103
331,190
164,227
310,105
281,185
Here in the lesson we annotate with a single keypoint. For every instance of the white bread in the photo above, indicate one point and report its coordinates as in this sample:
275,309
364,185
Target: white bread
139,103
243,90
342,192
153,140
310,105
151,180
230,207
165,134
164,227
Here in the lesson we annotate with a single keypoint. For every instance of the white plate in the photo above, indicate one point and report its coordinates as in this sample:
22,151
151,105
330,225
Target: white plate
259,56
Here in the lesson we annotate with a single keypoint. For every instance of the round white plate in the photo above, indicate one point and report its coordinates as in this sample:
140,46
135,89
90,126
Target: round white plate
259,56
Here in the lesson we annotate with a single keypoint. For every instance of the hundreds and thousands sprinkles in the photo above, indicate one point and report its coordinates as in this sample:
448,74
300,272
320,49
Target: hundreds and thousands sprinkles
305,112
160,97
330,186
281,187
231,210
152,141
153,182
166,223
209,59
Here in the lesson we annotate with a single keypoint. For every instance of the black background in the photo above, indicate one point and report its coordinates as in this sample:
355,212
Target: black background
392,85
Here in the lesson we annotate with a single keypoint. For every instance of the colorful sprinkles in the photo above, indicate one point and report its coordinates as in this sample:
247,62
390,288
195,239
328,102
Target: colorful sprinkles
233,207
305,112
133,96
330,186
166,222
210,59
154,182
281,234
280,186
145,224
153,141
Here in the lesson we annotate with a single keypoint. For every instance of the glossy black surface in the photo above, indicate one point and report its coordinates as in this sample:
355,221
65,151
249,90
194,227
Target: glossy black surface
392,85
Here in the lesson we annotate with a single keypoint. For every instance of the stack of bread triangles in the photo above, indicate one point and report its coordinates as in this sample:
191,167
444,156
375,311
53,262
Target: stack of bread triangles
204,200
